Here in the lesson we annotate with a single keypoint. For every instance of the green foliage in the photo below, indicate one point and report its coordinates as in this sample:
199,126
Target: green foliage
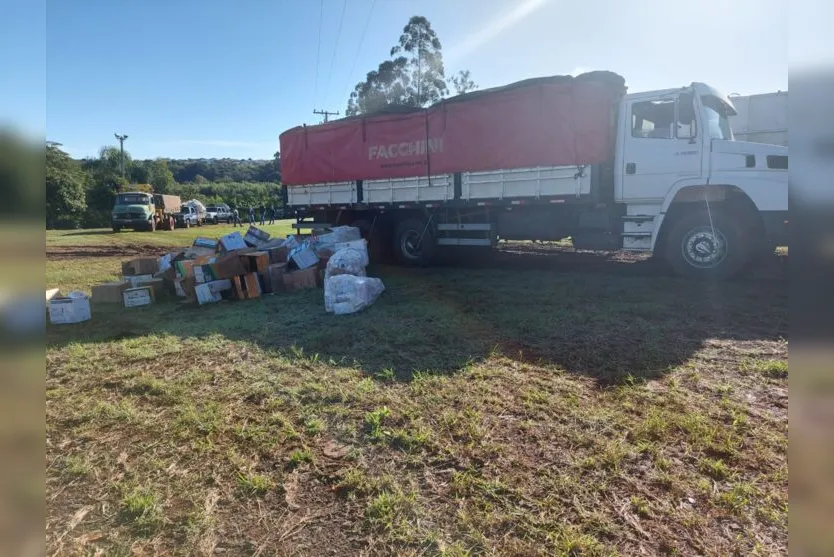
422,48
65,190
81,192
414,76
462,82
225,170
161,176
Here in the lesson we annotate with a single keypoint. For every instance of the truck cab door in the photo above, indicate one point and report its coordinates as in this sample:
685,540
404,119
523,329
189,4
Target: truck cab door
661,145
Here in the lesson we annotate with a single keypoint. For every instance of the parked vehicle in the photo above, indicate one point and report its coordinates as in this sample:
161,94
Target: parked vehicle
218,213
761,118
144,210
547,159
191,213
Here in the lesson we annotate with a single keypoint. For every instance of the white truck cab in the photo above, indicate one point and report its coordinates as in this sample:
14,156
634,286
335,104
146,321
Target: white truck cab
676,159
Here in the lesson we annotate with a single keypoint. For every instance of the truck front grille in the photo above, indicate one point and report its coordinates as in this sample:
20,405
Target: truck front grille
130,216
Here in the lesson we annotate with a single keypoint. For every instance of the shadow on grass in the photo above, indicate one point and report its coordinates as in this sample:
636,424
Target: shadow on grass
589,314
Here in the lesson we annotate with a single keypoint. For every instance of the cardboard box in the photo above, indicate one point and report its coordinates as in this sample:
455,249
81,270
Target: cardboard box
169,274
305,257
156,284
231,242
139,296
205,294
165,262
201,242
140,266
185,268
255,236
228,266
277,254
246,286
136,279
73,308
217,286
266,285
255,262
275,274
299,280
199,275
185,287
109,292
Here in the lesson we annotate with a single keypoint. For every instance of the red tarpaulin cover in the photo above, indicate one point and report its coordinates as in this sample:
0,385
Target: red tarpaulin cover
549,121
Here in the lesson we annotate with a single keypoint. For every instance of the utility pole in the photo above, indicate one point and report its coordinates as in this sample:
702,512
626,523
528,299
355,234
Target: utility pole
121,139
325,113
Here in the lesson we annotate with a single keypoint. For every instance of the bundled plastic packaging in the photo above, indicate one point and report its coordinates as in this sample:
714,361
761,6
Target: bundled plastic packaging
345,294
325,244
346,262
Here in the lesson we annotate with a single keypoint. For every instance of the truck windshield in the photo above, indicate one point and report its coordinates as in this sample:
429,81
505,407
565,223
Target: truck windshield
132,199
717,115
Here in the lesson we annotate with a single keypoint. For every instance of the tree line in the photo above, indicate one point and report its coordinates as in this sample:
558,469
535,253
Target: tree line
80,193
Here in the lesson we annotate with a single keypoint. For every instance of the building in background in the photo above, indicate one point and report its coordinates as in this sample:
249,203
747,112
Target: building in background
761,118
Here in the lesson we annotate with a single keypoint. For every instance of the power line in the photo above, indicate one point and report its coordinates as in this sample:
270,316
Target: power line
318,51
335,49
359,48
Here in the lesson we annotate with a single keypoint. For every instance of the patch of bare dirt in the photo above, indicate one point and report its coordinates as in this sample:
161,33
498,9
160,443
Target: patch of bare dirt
58,253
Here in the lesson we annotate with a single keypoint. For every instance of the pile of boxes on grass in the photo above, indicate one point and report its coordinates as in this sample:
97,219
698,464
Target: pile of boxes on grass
238,267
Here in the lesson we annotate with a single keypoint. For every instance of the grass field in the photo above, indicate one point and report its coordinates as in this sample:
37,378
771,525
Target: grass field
533,402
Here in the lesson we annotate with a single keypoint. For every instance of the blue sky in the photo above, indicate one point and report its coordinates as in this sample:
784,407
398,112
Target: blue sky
213,78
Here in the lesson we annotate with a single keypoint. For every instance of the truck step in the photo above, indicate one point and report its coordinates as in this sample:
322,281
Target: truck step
637,234
464,242
638,218
477,226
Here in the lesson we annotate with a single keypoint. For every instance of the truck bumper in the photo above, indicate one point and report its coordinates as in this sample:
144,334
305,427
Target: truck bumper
130,223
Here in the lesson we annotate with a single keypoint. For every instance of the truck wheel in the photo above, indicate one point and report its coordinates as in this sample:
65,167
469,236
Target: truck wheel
117,228
699,248
413,243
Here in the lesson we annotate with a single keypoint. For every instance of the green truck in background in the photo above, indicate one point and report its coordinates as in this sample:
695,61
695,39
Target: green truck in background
144,210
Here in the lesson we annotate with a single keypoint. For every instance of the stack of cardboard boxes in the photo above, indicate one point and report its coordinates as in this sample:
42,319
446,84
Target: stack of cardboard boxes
235,266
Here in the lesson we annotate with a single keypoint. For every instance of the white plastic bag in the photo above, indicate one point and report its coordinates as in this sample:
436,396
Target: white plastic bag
359,245
348,293
345,262
325,244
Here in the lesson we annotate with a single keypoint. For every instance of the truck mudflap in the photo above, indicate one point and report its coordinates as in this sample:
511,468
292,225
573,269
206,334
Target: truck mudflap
776,227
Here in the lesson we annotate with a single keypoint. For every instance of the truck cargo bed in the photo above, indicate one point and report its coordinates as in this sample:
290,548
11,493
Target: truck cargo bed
538,183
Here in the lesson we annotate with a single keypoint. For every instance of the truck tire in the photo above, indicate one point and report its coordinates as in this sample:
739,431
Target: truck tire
117,228
693,250
409,249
